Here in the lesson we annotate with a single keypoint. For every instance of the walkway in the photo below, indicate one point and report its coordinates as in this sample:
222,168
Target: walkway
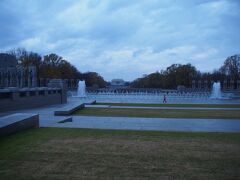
47,119
157,124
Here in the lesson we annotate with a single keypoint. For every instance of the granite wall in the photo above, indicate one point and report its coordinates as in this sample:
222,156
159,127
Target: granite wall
14,98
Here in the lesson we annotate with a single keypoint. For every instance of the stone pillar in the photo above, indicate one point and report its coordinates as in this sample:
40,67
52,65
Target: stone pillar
29,77
202,85
34,76
199,84
59,83
231,84
69,84
41,82
225,84
32,80
212,84
1,77
23,77
209,85
205,85
238,84
66,82
72,83
4,78
228,84
14,78
18,78
76,83
47,81
10,77
193,84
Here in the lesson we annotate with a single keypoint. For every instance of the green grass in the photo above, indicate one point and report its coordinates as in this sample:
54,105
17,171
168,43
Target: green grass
52,153
174,105
159,113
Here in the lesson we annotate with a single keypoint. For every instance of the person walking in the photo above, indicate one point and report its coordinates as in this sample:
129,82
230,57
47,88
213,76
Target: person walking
164,98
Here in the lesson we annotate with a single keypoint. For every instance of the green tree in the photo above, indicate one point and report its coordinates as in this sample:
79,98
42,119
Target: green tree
231,67
27,59
68,71
54,66
53,59
173,76
178,74
94,79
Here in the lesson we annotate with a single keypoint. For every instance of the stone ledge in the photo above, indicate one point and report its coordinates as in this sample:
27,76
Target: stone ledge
69,109
17,122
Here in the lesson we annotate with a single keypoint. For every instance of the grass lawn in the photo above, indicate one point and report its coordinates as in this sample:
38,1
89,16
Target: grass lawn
160,113
58,153
174,105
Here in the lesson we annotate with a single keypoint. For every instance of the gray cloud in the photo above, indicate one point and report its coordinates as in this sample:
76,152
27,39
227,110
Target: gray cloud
124,39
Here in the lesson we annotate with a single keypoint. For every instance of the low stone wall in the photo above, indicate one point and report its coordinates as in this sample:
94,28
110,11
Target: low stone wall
14,98
18,122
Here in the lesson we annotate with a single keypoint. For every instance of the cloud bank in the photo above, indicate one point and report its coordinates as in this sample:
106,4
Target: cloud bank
124,39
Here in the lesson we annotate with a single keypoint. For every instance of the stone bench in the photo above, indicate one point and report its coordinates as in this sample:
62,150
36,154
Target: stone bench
17,122
70,108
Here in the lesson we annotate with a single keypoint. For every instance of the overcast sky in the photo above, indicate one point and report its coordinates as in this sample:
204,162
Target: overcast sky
124,38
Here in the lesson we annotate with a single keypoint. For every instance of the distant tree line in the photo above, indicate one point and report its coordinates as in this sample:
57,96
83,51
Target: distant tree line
178,74
53,66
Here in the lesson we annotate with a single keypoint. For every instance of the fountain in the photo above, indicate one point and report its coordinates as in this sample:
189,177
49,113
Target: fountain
216,91
81,91
145,96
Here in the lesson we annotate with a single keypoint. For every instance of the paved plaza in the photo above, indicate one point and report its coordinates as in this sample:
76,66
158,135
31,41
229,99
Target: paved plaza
156,124
48,119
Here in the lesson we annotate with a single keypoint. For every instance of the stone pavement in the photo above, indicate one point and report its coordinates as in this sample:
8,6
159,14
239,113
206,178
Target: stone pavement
46,113
156,124
47,119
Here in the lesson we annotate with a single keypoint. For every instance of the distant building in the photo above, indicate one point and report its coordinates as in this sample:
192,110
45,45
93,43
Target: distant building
117,82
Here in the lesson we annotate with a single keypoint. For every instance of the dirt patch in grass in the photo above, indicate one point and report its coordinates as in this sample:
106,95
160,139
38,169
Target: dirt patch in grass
73,154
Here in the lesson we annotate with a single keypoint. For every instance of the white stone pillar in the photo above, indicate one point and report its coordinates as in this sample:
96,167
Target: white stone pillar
238,84
199,84
193,84
33,76
1,78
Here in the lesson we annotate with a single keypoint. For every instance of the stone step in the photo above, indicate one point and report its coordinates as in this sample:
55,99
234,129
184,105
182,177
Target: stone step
18,122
